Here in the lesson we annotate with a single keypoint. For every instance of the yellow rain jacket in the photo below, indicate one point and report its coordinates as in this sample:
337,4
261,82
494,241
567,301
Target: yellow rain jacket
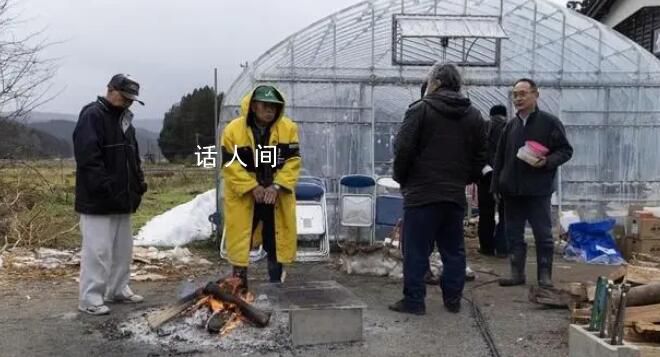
237,141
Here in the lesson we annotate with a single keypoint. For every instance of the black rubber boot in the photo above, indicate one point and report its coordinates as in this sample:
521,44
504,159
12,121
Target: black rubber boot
275,271
517,270
403,307
241,272
544,272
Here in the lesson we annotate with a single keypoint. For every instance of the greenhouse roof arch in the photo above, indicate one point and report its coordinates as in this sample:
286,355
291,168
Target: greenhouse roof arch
349,77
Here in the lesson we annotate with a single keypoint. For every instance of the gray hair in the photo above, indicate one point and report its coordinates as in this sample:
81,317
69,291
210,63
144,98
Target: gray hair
445,76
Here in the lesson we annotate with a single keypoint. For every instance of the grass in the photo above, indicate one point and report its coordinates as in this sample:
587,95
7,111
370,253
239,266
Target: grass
37,198
169,188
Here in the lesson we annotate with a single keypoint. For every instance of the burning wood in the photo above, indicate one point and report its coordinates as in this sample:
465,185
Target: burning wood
226,300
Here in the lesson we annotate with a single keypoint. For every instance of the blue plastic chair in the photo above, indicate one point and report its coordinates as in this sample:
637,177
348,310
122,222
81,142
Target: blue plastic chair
389,206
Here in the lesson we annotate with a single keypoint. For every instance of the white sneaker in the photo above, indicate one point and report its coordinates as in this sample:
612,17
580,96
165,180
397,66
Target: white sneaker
127,296
132,299
469,274
95,310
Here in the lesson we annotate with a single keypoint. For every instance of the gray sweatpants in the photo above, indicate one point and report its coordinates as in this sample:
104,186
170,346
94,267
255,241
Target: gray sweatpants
107,253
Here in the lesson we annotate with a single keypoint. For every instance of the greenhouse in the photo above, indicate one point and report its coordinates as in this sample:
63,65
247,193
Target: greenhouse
349,78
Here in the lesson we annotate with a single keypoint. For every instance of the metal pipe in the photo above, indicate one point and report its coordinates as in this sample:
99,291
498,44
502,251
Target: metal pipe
563,45
373,134
373,37
605,319
216,117
533,66
504,82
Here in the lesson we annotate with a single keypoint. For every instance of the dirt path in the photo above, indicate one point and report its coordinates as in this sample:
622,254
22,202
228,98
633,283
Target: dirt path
39,318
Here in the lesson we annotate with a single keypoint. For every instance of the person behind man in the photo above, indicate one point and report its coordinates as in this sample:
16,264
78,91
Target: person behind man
440,149
259,200
527,188
492,240
109,188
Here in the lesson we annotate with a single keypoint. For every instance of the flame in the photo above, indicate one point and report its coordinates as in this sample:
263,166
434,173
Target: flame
201,302
230,285
233,323
215,305
248,297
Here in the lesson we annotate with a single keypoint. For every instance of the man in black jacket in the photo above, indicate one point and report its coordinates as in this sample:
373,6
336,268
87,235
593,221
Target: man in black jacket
440,148
526,188
492,240
109,187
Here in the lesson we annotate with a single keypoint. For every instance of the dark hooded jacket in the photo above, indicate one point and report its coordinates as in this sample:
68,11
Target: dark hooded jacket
440,148
514,177
109,177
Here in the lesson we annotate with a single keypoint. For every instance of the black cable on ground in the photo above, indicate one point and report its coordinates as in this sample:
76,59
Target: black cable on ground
482,324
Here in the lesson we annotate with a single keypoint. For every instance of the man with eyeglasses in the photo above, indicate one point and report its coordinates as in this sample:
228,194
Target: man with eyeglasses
531,148
109,188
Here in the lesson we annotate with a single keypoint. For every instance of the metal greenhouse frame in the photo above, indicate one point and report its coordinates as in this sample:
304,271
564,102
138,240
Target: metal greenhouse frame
349,78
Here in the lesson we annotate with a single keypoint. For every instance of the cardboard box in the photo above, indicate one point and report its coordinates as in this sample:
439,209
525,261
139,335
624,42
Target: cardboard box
644,226
646,246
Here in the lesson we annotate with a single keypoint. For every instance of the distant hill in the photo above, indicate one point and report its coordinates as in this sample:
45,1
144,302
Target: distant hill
63,129
38,117
148,124
152,125
17,141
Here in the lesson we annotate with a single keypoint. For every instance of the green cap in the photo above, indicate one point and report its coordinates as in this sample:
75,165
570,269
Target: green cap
267,94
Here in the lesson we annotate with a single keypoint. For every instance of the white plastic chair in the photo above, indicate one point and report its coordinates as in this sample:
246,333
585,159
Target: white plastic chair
356,208
312,216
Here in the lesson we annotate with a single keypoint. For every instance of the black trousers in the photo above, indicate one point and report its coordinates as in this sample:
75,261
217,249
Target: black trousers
492,238
441,223
537,211
266,215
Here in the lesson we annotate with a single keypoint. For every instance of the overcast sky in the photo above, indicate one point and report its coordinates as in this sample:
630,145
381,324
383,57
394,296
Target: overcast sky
170,46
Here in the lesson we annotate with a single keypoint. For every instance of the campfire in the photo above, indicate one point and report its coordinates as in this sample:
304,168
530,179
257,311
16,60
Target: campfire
227,302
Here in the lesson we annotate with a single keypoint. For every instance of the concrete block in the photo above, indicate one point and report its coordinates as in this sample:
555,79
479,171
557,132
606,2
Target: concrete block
583,343
320,312
321,326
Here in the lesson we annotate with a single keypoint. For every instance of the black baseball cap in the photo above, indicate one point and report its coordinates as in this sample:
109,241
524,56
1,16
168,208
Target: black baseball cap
128,88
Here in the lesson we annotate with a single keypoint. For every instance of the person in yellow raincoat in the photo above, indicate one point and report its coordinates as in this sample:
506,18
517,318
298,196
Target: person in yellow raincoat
261,165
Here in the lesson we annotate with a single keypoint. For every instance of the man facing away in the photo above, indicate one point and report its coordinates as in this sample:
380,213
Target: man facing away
527,186
259,200
440,149
429,278
109,188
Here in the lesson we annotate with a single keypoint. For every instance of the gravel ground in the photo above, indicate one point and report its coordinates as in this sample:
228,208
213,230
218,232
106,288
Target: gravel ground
38,317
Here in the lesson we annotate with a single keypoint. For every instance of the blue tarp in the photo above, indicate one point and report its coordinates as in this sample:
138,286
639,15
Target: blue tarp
593,243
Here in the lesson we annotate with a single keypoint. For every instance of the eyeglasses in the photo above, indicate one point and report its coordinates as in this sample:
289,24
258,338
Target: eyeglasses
521,94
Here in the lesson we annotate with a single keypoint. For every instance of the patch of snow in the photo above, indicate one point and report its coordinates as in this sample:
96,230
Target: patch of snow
180,225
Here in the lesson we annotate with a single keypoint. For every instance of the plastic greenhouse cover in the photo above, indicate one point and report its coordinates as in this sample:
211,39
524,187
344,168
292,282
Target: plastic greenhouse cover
451,26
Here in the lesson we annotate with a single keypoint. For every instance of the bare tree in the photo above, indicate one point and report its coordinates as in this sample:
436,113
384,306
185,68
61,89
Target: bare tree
25,76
